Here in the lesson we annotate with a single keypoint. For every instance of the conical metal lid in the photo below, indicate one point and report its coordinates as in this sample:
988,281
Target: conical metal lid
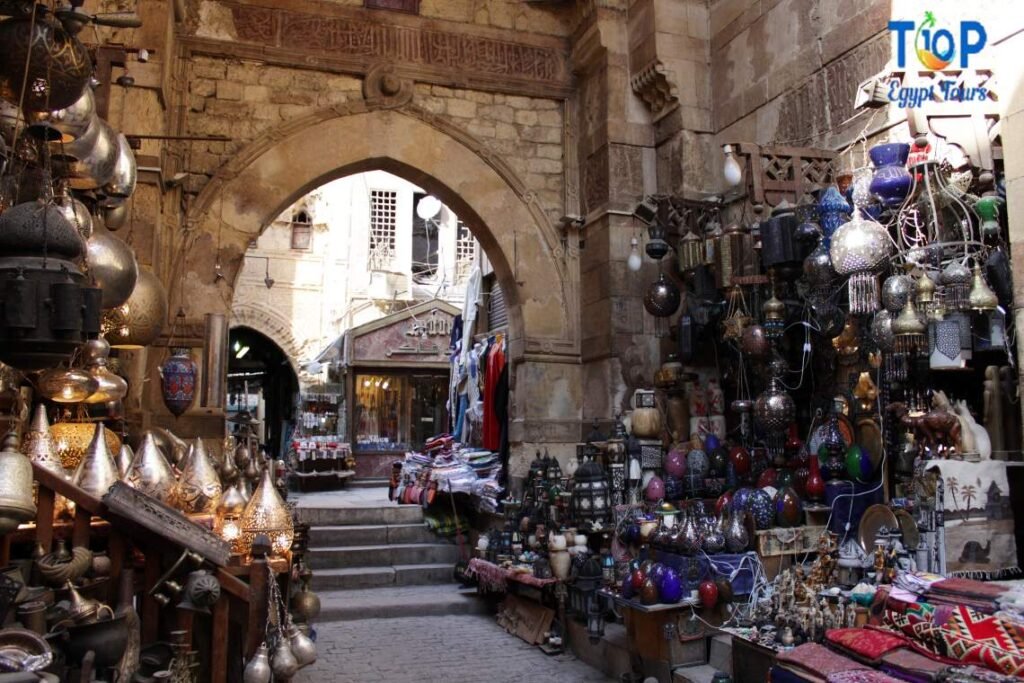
97,472
150,472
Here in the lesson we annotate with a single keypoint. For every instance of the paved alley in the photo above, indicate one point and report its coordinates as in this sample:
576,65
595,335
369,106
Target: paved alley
449,649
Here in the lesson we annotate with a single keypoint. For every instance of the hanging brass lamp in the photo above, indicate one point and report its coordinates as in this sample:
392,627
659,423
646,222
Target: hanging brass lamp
67,385
72,440
138,321
982,298
111,386
228,520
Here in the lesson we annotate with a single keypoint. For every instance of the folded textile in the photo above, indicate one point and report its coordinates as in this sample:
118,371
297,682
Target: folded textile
780,673
864,644
867,676
974,674
968,588
975,638
817,660
912,666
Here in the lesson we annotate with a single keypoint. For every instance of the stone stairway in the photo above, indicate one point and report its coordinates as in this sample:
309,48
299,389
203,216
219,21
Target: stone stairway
381,561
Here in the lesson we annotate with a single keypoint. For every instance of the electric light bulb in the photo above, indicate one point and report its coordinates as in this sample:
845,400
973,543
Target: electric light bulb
635,261
731,169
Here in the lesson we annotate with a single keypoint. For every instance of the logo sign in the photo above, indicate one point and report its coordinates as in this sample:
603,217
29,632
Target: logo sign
937,47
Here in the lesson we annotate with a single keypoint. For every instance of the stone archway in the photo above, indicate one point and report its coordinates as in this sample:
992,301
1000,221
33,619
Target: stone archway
273,327
536,264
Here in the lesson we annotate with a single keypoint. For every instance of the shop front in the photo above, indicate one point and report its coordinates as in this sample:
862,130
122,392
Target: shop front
397,378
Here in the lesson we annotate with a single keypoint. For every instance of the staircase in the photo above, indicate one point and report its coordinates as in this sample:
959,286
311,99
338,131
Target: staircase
381,561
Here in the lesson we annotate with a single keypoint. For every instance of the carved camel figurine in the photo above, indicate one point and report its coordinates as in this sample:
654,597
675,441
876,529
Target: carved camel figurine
932,429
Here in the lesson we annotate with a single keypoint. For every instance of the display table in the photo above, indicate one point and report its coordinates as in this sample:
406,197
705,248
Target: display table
495,578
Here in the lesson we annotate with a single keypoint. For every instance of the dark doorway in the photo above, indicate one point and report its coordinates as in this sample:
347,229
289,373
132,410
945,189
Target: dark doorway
259,369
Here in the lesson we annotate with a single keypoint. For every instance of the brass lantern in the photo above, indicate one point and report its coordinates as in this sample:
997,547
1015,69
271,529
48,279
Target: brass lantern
734,256
137,322
72,439
67,385
228,520
590,493
111,387
266,513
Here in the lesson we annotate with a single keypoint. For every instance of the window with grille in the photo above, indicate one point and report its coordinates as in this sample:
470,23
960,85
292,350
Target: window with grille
465,252
302,231
383,228
424,243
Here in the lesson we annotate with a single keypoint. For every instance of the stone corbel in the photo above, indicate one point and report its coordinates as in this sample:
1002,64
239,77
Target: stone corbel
384,87
653,86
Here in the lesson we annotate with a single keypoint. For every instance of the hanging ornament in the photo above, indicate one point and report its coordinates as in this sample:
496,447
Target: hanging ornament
956,286
981,297
859,247
691,251
909,338
110,387
662,298
781,251
257,670
773,411
774,317
736,317
178,381
895,291
833,210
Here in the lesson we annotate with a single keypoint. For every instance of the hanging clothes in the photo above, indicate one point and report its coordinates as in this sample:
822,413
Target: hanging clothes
501,412
495,365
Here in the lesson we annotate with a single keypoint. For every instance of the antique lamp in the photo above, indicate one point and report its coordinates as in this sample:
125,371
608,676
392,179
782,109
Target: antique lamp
227,522
67,385
72,439
110,386
266,513
590,493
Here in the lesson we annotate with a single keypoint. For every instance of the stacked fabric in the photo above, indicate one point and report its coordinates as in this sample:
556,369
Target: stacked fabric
979,596
812,662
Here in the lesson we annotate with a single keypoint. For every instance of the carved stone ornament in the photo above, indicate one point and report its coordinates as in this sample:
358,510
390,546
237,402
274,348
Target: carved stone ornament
383,87
652,85
166,522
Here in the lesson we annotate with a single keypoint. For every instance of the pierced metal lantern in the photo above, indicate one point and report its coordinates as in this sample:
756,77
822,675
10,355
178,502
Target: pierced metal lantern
774,409
662,297
735,256
956,286
691,252
46,307
590,495
859,247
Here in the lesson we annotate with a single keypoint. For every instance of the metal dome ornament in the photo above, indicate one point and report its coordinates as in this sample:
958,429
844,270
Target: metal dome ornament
138,321
956,286
112,265
896,290
39,52
859,247
774,409
981,297
662,298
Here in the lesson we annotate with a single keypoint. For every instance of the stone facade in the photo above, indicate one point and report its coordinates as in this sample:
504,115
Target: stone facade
516,115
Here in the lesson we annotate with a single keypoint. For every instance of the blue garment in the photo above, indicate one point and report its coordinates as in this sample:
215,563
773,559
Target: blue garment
463,405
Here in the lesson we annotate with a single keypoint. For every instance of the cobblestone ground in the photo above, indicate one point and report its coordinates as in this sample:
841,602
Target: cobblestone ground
449,649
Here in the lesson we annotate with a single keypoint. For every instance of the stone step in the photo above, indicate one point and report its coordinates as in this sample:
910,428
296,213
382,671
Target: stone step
367,483
382,555
720,657
399,601
376,577
369,534
345,516
701,673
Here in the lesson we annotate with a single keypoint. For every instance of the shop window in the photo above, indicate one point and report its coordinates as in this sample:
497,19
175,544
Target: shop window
379,413
302,231
383,228
465,252
424,243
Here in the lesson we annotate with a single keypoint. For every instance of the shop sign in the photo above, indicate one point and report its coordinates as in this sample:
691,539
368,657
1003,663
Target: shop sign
936,47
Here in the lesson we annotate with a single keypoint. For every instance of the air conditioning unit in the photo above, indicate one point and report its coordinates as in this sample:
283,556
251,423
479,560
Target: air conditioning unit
386,285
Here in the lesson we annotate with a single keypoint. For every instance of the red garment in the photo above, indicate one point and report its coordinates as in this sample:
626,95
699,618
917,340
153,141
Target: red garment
491,428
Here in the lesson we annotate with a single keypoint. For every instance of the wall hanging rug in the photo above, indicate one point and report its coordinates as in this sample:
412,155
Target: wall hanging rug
976,530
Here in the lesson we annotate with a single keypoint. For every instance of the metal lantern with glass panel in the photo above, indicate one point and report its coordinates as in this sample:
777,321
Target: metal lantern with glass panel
590,494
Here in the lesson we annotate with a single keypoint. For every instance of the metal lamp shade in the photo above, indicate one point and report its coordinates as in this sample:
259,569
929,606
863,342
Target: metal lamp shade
122,181
199,488
138,321
38,444
67,386
780,248
55,62
112,264
72,440
71,122
266,514
89,162
97,471
662,298
150,472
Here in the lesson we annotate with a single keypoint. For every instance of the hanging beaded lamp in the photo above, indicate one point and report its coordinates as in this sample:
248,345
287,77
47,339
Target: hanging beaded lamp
859,248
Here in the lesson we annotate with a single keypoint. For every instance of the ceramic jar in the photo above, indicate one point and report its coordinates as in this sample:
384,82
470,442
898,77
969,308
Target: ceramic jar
645,420
560,561
891,181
